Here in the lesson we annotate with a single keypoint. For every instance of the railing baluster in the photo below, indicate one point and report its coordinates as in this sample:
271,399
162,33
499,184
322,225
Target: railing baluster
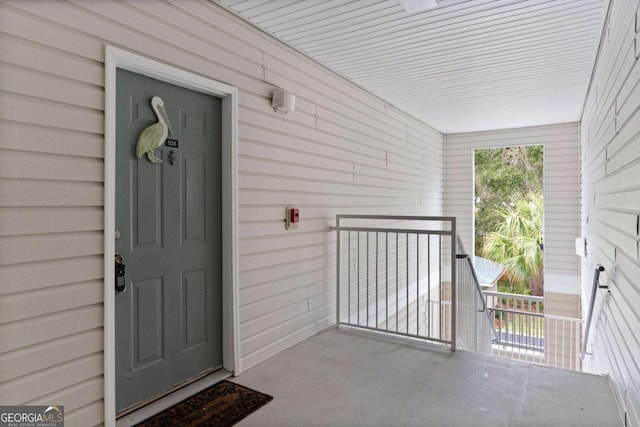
429,285
386,281
537,332
440,296
518,338
563,341
367,293
348,276
397,286
523,340
417,284
358,278
377,324
529,324
500,316
407,284
577,355
555,334
507,325
338,274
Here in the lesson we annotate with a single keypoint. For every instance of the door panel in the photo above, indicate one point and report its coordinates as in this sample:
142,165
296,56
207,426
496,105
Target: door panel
148,322
169,319
194,291
147,207
194,190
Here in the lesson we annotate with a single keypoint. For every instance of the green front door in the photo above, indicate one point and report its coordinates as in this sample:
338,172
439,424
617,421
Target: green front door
169,228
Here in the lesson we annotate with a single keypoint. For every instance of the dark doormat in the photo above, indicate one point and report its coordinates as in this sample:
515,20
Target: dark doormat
223,404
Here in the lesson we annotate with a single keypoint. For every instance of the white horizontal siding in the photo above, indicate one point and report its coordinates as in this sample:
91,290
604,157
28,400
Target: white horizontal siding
342,151
611,207
561,190
564,305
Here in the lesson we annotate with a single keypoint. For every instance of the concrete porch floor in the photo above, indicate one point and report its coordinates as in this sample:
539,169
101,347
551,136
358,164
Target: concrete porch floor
346,378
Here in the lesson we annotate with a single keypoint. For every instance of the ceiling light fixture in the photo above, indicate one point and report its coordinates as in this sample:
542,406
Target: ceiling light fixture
418,5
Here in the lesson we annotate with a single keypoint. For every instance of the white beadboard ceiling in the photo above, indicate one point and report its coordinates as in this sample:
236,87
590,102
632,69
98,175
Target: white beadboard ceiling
466,66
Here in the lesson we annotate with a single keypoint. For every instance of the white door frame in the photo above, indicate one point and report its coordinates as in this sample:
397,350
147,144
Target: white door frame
118,58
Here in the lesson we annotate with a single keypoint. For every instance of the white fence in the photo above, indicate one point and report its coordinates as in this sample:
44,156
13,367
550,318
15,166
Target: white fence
394,275
525,333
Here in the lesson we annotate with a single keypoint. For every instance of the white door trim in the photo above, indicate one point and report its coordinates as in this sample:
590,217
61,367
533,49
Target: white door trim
118,58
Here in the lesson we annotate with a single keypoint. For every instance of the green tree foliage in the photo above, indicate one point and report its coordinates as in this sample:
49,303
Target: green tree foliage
517,242
499,174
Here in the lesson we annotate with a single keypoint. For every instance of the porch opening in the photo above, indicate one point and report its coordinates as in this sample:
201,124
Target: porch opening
508,218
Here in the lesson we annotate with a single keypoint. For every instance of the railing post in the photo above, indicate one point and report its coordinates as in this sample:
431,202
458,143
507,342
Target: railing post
454,286
338,271
577,328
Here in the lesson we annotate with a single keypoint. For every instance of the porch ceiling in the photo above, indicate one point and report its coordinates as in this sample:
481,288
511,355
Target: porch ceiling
466,66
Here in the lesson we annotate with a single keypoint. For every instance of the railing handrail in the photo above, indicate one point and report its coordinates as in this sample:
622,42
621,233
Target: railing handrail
594,288
450,219
476,282
531,298
396,230
528,313
564,318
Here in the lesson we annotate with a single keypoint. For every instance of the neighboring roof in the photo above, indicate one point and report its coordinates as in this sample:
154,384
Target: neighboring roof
488,271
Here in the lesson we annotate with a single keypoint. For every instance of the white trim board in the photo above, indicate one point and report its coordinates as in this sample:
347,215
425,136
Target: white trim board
118,58
562,284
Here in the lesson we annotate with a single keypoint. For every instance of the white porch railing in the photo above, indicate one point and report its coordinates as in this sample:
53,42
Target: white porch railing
476,331
394,275
562,342
525,333
402,275
519,322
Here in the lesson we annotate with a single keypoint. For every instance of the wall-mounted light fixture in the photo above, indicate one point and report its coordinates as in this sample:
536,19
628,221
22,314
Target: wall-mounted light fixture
581,247
283,101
